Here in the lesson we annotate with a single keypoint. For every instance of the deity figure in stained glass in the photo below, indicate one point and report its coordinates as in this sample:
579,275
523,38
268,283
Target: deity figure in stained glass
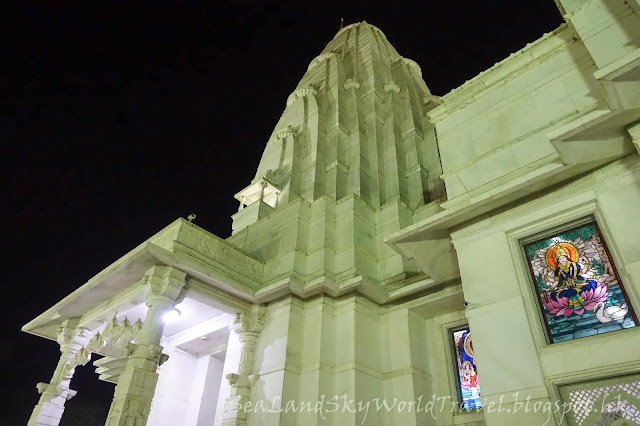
467,373
579,290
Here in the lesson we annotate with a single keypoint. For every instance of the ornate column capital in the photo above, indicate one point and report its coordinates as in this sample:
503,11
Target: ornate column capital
167,281
163,289
69,335
252,321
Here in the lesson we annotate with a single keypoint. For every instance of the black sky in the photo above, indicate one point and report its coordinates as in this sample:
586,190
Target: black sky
118,118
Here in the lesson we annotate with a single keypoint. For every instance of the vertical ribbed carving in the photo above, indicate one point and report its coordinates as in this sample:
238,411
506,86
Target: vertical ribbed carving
360,126
353,155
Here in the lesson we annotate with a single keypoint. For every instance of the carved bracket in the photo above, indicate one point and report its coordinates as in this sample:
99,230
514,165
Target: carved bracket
165,281
150,352
42,387
391,87
242,380
67,332
51,389
301,93
283,133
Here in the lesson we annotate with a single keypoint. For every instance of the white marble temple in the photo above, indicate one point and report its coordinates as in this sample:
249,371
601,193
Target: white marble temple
380,217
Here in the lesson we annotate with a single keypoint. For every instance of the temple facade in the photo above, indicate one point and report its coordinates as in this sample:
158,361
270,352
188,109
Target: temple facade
384,229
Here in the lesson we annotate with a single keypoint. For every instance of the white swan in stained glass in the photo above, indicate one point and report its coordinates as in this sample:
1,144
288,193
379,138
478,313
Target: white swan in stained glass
612,313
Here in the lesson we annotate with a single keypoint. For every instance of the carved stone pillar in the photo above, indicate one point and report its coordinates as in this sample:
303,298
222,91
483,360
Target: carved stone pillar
137,384
263,185
248,327
50,407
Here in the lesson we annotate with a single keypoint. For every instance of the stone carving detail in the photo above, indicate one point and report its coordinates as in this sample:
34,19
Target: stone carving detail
115,333
225,255
134,392
56,389
222,253
250,322
301,93
133,412
351,84
287,131
42,387
164,281
220,296
66,335
243,380
391,86
248,326
54,394
151,352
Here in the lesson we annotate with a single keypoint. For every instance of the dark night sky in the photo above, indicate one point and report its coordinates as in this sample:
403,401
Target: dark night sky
118,119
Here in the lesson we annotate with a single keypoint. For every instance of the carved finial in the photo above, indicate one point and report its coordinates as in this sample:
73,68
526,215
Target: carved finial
191,217
341,23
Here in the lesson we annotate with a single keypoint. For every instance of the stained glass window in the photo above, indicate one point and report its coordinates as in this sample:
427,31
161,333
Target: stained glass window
578,288
469,387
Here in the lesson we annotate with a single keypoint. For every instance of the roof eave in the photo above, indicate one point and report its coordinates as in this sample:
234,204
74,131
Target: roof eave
135,263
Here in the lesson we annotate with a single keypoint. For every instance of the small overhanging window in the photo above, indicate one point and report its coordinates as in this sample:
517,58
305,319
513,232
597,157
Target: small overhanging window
261,190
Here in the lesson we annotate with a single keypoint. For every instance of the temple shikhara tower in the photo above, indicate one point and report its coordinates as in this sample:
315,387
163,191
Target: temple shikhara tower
386,228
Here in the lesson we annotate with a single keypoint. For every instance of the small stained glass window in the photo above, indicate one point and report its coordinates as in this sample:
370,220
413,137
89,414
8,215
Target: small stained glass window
468,385
579,291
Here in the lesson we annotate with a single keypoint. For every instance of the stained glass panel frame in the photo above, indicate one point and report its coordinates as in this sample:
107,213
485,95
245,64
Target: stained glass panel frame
590,287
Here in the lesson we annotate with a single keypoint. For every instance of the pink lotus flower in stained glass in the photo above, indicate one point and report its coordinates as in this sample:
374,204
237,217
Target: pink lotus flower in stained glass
595,296
562,307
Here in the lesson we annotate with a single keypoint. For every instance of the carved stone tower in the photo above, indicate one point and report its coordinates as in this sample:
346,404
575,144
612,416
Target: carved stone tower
351,158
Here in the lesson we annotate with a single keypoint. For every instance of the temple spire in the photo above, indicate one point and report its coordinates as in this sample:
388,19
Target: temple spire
355,124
